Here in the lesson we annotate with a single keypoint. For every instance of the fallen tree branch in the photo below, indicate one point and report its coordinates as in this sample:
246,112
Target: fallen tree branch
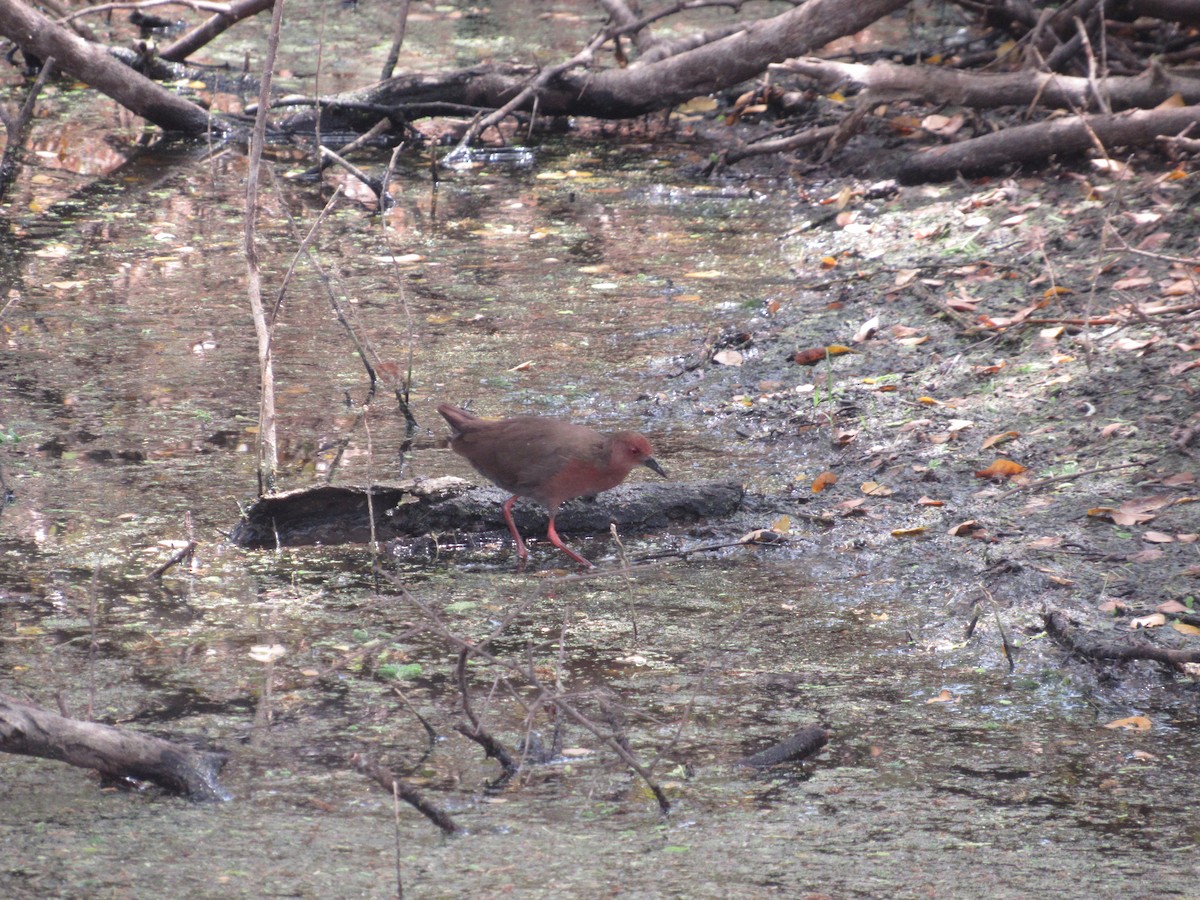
405,792
987,90
1070,136
38,35
115,753
1096,645
802,744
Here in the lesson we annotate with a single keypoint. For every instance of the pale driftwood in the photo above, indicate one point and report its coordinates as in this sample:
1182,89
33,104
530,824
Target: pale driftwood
332,514
117,753
1068,136
936,84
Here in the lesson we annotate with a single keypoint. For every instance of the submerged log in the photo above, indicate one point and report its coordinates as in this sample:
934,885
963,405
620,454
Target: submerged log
801,745
115,753
339,515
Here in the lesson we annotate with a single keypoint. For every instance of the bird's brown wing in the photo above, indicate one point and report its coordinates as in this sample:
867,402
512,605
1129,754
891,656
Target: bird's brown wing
524,454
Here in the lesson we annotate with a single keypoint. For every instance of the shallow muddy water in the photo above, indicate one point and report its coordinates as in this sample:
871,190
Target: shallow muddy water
590,281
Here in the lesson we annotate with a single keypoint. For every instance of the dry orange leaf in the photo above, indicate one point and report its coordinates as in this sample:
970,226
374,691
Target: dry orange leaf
1001,468
828,262
1001,438
875,489
908,532
944,697
929,401
814,355
809,357
1058,291
822,481
929,501
1133,723
1158,537
989,370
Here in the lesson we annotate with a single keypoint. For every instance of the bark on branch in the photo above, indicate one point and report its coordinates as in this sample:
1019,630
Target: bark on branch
114,752
641,88
39,36
1036,143
935,84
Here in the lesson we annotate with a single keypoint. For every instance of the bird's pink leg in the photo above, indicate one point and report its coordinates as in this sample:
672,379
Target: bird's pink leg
557,542
522,553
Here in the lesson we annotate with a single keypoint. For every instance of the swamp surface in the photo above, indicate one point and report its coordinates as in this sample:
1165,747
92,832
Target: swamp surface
601,278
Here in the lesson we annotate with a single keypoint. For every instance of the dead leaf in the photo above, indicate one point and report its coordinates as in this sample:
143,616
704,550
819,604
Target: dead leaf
1172,606
1158,537
875,489
946,126
1154,620
944,697
1049,542
1129,284
1133,723
762,536
814,355
783,525
1146,556
854,507
1001,468
822,481
929,501
727,358
908,532
989,370
867,330
1185,628
965,529
1002,438
1130,345
1181,478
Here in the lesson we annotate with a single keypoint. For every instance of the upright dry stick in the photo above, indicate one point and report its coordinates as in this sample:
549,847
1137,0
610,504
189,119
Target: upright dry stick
268,449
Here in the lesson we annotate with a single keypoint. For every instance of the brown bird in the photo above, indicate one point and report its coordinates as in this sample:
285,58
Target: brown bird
547,460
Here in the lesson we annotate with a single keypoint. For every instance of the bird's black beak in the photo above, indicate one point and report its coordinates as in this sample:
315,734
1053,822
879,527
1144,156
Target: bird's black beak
651,463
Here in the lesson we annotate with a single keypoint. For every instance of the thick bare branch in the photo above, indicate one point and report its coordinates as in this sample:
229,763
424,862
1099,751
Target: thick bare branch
887,81
34,33
1035,143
